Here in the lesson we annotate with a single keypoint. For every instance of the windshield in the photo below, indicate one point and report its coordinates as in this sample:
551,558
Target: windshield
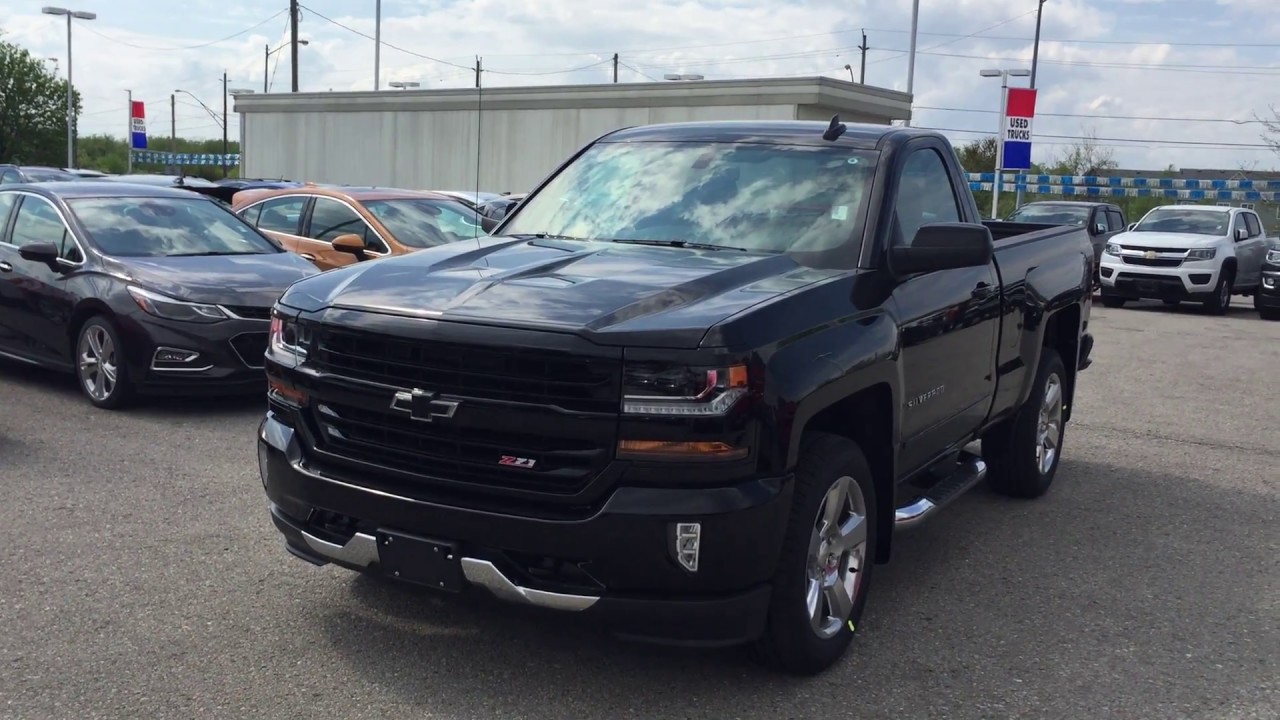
46,175
422,223
1051,214
166,227
1185,220
773,198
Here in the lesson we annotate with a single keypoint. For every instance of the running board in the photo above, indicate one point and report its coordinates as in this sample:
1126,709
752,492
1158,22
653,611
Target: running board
970,470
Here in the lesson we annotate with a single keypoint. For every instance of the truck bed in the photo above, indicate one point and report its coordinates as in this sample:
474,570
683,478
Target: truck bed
1005,230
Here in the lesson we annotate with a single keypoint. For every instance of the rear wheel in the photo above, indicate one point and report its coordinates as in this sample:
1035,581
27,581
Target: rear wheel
1022,453
824,572
1266,313
100,365
1112,301
1221,299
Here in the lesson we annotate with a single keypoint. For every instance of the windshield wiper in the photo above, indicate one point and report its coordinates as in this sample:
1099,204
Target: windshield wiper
543,236
679,244
215,252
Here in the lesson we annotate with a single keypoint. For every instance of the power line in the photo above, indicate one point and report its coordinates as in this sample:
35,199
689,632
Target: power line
1142,141
1228,69
1065,41
89,27
384,42
1102,117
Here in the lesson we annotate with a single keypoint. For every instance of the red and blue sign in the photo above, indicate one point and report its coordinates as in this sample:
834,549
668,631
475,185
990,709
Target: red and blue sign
137,126
1019,113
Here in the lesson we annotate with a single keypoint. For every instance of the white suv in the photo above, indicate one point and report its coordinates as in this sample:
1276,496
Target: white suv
1202,253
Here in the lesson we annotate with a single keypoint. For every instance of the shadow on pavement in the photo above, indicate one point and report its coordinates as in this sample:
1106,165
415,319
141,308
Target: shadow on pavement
1151,598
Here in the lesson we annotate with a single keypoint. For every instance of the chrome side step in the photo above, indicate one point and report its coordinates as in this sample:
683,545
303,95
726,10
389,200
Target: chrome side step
362,551
970,470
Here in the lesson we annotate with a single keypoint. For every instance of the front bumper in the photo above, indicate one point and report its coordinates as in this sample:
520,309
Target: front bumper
1269,288
1193,279
228,354
617,567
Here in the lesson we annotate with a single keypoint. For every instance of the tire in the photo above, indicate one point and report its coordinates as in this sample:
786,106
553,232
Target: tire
1221,300
1112,301
797,640
1016,450
106,384
1265,313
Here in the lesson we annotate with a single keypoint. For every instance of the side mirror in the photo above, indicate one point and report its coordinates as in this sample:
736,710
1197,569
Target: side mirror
1099,229
487,223
41,252
943,246
1242,234
351,244
1131,227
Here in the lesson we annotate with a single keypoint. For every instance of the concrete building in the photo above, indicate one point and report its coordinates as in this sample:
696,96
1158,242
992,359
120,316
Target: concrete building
427,139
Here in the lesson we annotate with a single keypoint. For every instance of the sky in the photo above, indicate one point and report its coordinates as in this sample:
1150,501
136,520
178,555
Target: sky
1160,82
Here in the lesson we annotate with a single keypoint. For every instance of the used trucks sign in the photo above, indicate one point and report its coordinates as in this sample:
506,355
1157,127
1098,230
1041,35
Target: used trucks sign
1020,111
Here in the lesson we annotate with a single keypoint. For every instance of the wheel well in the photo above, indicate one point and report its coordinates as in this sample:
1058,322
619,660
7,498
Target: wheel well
79,317
867,418
1062,333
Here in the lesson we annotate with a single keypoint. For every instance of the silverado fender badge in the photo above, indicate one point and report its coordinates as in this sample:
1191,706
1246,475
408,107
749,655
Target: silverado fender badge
519,462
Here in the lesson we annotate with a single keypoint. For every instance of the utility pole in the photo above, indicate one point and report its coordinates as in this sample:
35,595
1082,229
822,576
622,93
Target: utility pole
911,56
224,123
129,133
862,75
615,67
377,43
479,69
173,132
1035,57
293,41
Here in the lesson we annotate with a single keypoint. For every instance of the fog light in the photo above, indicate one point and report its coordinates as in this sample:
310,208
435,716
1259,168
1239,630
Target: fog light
688,541
167,358
1268,282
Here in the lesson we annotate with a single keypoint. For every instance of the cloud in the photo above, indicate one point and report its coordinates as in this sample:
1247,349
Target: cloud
1097,75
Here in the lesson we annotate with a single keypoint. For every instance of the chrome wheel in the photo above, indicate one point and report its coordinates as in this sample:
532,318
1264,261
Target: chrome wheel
837,556
1049,432
97,366
1224,295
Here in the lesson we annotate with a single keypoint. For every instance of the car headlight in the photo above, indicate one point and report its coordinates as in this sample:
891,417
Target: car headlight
1202,253
287,336
153,303
1112,249
1273,256
658,389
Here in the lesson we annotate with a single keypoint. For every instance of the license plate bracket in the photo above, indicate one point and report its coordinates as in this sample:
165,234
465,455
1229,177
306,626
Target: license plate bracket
420,560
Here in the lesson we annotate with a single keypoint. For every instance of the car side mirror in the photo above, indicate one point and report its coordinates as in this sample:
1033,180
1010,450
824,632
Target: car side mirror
1099,228
41,252
1131,227
351,244
1242,234
487,223
943,246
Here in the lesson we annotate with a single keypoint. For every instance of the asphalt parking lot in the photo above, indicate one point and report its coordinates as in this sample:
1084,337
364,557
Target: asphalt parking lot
142,577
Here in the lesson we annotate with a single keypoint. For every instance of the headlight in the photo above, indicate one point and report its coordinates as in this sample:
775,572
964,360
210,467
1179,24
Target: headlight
287,336
654,389
169,308
1112,249
1202,253
1273,256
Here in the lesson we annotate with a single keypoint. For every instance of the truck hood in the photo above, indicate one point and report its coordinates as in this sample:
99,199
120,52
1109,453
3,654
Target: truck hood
610,291
252,280
1167,240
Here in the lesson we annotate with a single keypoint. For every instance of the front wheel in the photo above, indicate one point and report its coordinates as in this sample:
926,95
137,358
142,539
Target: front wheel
1264,312
1112,301
1221,300
100,365
824,571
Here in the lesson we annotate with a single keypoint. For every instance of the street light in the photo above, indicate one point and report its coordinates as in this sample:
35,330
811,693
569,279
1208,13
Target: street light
79,15
404,84
1003,74
679,76
266,60
850,69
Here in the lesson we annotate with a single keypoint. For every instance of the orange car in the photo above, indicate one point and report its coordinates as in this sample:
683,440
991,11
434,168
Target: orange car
336,226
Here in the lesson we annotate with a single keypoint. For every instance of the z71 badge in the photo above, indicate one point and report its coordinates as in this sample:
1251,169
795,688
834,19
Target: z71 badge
519,462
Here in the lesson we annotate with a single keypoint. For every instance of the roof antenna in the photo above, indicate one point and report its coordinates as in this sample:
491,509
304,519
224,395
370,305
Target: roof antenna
479,141
835,129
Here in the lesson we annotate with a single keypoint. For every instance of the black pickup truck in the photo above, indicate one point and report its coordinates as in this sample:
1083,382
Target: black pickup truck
691,388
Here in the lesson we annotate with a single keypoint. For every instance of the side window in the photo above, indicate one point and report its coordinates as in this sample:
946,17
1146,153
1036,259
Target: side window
10,176
250,214
1236,226
925,194
1115,221
281,214
1251,222
37,221
330,218
7,201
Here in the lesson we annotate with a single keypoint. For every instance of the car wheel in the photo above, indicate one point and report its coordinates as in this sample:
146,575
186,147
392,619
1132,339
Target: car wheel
1264,312
828,553
100,365
1023,452
1112,301
1221,299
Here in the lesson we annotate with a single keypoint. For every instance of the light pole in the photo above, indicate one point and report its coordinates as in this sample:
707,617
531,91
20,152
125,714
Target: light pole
377,44
71,130
1035,60
266,60
404,84
1003,74
911,57
850,69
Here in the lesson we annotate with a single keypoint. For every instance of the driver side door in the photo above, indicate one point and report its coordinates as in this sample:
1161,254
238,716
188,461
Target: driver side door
331,218
37,301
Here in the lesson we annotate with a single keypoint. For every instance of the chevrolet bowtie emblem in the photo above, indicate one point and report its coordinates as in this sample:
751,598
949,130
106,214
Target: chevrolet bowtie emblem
1150,255
423,405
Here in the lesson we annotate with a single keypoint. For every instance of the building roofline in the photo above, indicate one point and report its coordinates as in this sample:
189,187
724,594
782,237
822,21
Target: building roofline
837,95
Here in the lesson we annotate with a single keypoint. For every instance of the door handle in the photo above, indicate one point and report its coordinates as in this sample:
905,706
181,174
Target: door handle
5,267
307,256
981,291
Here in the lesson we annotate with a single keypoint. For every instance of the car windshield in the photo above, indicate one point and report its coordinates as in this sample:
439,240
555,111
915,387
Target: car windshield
46,175
772,198
166,227
1051,214
1185,220
421,222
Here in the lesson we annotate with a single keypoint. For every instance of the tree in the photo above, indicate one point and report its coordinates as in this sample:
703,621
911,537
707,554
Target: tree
1271,130
978,156
111,154
1086,157
33,109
